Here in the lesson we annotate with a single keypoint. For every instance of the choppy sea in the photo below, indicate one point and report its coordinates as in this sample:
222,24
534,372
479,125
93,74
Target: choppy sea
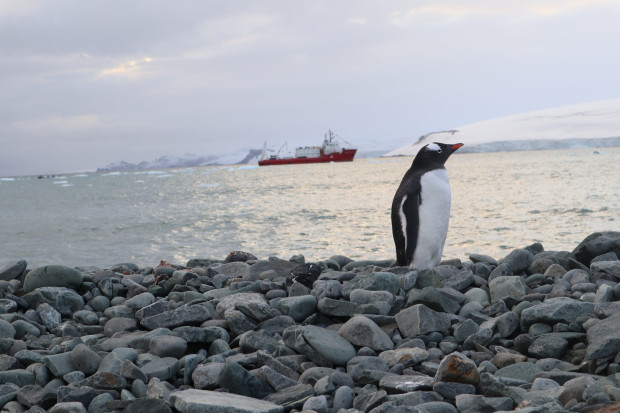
500,201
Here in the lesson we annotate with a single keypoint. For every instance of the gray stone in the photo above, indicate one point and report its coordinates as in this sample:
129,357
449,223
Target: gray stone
141,300
502,270
508,286
64,300
604,294
359,365
520,371
298,308
104,380
457,279
433,299
6,329
337,308
597,244
86,317
68,407
377,281
519,260
465,329
548,346
239,323
18,377
482,258
132,372
100,303
408,356
450,390
555,310
206,376
119,311
85,359
186,314
119,324
256,340
142,341
604,338
343,398
146,405
365,296
324,347
13,270
316,404
281,267
52,276
168,346
276,380
162,368
98,404
492,387
59,364
419,319
405,384
363,332
428,278
470,403
292,397
157,307
478,295
232,301
239,381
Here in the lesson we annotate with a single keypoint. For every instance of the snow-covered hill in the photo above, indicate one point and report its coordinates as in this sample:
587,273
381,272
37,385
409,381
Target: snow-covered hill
594,124
243,156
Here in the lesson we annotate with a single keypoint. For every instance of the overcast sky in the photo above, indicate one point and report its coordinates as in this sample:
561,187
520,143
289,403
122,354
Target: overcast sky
86,83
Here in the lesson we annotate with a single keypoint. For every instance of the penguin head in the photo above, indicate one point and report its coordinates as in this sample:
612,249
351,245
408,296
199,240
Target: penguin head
435,154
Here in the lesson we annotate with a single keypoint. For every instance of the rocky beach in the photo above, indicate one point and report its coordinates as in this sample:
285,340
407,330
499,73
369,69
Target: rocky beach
534,331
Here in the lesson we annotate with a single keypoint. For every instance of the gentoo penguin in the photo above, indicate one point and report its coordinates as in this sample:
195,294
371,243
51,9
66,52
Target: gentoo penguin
421,208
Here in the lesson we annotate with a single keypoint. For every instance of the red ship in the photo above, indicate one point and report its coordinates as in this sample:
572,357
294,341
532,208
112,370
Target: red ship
330,151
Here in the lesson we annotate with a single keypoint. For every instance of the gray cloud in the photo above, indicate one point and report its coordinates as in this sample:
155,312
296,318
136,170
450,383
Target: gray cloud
87,83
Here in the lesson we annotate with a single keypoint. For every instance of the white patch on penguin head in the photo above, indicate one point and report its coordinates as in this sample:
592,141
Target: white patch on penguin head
433,147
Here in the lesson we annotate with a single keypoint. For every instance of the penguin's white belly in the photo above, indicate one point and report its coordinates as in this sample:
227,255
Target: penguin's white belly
434,215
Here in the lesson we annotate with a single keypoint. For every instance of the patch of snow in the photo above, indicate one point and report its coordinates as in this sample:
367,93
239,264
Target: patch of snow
591,124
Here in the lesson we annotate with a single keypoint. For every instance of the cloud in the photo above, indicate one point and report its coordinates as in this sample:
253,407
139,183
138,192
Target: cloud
131,70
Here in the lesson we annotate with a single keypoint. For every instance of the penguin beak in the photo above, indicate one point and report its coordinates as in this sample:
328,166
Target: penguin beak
455,146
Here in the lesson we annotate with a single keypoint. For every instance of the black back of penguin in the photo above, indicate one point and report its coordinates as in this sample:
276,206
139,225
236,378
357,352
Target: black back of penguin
408,199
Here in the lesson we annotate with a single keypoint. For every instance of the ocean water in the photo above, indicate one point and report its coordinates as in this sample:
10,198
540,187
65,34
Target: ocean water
500,201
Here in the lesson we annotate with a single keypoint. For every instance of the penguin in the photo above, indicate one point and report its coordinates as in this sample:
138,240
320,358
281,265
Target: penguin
421,208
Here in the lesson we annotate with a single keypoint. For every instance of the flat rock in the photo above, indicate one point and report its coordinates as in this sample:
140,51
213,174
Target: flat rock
292,397
604,338
199,401
507,286
52,276
186,314
63,300
377,281
405,384
363,332
13,270
419,319
406,356
555,310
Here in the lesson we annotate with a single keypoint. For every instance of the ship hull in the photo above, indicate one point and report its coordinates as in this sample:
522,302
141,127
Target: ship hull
346,155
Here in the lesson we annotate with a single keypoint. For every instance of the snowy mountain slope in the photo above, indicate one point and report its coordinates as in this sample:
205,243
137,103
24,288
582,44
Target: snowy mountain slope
585,125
